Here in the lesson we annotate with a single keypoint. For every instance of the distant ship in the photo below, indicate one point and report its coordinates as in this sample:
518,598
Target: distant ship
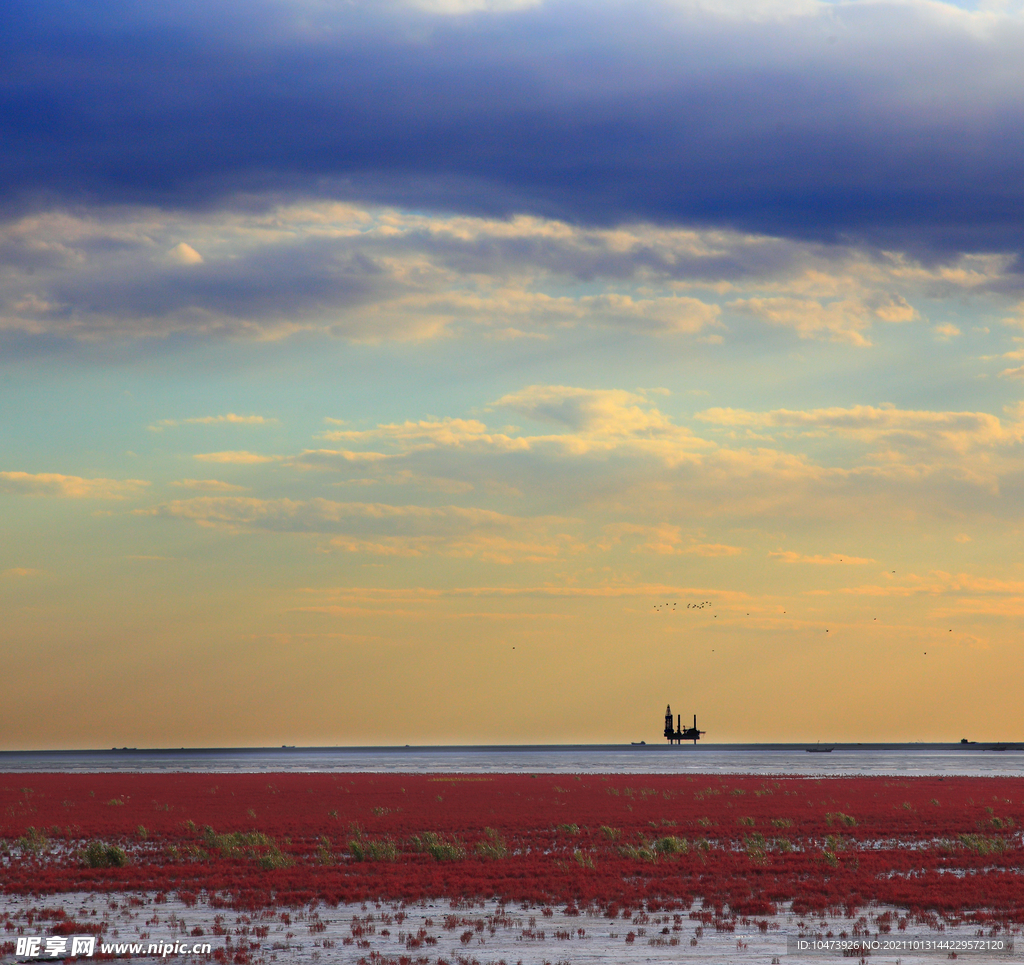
679,735
818,749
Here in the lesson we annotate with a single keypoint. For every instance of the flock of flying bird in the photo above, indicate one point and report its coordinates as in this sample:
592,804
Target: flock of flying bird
706,603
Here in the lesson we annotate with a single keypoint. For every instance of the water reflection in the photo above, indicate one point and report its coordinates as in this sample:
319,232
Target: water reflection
903,759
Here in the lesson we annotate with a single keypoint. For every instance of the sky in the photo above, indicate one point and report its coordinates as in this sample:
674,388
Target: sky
501,371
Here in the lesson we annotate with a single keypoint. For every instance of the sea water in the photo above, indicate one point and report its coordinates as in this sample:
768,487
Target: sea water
979,760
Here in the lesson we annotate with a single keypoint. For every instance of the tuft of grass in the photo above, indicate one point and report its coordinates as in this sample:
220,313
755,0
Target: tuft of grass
100,855
273,859
569,828
324,855
583,859
834,843
756,848
641,852
746,822
671,845
493,847
141,832
363,849
781,823
33,841
612,834
234,843
980,844
254,846
837,817
439,847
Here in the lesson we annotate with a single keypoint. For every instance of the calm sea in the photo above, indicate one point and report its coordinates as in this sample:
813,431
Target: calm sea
984,760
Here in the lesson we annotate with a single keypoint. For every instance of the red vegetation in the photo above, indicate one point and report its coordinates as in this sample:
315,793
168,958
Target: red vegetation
950,846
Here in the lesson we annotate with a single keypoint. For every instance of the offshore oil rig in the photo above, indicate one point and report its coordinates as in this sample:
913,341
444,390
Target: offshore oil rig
679,735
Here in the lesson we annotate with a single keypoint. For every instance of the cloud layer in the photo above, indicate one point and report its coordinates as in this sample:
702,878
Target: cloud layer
376,275
74,487
897,123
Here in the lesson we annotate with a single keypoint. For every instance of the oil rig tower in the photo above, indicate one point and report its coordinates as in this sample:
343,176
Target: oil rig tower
678,735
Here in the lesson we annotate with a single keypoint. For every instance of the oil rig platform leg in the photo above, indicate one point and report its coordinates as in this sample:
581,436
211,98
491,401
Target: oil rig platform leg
678,735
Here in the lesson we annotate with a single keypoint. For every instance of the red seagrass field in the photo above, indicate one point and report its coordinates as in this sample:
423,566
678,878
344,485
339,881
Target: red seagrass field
947,848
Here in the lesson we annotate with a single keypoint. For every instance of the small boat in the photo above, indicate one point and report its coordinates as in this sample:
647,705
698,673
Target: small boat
820,750
638,743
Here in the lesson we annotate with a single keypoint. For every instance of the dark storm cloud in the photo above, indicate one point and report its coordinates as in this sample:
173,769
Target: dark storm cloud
900,125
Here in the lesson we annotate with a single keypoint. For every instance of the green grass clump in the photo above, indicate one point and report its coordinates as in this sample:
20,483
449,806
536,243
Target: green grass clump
569,828
612,834
837,817
583,859
493,847
363,849
33,841
834,843
981,844
756,847
254,846
438,847
273,859
641,852
671,845
100,855
235,843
